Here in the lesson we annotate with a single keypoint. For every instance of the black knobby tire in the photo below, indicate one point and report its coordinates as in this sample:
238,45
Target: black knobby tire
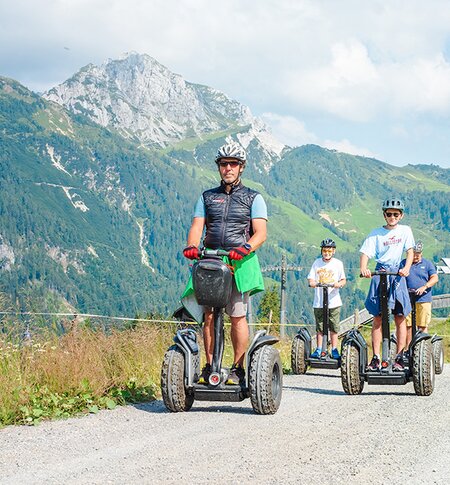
173,390
196,366
265,380
350,377
423,368
298,361
438,353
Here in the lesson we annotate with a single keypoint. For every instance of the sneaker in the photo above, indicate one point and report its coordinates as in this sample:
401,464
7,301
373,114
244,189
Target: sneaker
316,354
204,376
236,375
335,354
398,364
374,364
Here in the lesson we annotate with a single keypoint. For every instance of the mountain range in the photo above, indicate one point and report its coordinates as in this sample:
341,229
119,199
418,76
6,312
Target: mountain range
100,174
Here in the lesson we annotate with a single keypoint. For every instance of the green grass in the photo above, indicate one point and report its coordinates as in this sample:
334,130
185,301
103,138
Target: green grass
189,144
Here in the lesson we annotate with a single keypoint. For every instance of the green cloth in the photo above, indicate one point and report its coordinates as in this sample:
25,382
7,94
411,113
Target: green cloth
247,274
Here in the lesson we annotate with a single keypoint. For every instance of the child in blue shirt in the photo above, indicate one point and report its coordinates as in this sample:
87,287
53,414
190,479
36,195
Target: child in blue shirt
386,245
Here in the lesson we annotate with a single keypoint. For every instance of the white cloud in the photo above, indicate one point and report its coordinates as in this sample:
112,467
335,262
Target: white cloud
345,87
294,133
289,130
346,146
347,60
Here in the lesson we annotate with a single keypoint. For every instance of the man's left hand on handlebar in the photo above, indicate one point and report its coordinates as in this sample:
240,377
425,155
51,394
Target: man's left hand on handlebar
239,253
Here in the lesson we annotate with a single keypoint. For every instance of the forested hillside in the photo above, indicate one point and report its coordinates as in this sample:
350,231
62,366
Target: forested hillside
92,221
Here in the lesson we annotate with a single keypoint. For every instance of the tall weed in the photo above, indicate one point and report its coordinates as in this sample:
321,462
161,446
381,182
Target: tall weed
82,371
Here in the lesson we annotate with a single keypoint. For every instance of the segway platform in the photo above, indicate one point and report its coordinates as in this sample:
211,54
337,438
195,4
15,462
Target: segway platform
324,363
221,392
387,377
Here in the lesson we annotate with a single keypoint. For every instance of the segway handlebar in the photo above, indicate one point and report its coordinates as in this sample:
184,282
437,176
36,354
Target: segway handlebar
379,273
325,285
213,252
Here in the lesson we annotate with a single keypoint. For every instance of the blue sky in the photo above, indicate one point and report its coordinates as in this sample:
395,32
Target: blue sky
371,78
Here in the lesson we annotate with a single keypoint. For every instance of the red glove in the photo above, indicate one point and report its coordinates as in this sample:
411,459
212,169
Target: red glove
191,252
240,252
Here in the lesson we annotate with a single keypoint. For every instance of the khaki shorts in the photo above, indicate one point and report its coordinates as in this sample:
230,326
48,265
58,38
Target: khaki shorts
237,306
333,319
423,315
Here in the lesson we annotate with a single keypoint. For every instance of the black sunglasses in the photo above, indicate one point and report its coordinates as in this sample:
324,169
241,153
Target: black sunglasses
393,214
231,164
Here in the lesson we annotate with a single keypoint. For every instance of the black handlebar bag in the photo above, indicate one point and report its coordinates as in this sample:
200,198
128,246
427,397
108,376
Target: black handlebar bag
212,280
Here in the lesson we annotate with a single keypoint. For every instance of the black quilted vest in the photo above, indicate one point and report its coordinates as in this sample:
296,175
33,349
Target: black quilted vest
228,216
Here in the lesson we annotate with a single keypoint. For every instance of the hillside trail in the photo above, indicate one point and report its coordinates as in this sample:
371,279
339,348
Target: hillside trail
319,435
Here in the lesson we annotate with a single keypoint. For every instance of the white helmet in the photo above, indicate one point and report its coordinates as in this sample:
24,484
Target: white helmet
393,203
231,150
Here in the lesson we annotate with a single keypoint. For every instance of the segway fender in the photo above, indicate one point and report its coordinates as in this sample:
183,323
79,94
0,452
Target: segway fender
265,340
418,337
435,338
304,334
186,340
355,337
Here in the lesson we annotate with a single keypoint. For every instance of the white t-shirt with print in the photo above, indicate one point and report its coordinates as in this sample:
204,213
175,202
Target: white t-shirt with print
387,247
327,272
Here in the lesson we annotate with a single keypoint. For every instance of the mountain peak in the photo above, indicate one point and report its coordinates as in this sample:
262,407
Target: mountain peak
145,101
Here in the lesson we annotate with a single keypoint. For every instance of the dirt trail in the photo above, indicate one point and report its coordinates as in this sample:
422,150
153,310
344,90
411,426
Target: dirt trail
319,435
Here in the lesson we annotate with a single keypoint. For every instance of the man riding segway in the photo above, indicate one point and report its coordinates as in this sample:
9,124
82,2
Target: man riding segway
235,219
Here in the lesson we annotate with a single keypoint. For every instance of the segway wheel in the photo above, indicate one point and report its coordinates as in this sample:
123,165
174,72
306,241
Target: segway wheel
438,353
298,361
174,393
351,379
423,368
265,380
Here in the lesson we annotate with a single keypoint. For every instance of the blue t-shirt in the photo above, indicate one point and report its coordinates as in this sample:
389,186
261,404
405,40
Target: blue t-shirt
258,210
419,275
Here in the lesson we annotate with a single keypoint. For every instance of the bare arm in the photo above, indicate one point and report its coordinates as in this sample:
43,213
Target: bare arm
341,283
409,259
196,231
434,278
363,260
259,227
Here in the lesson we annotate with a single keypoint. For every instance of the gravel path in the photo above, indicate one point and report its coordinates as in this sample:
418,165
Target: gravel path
319,435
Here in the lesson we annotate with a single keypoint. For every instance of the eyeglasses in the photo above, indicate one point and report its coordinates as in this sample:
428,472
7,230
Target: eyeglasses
393,214
231,164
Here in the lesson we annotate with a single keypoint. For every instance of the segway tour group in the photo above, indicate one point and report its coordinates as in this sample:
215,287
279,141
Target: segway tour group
226,271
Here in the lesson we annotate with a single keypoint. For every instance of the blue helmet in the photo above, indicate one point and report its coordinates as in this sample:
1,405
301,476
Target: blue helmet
328,243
